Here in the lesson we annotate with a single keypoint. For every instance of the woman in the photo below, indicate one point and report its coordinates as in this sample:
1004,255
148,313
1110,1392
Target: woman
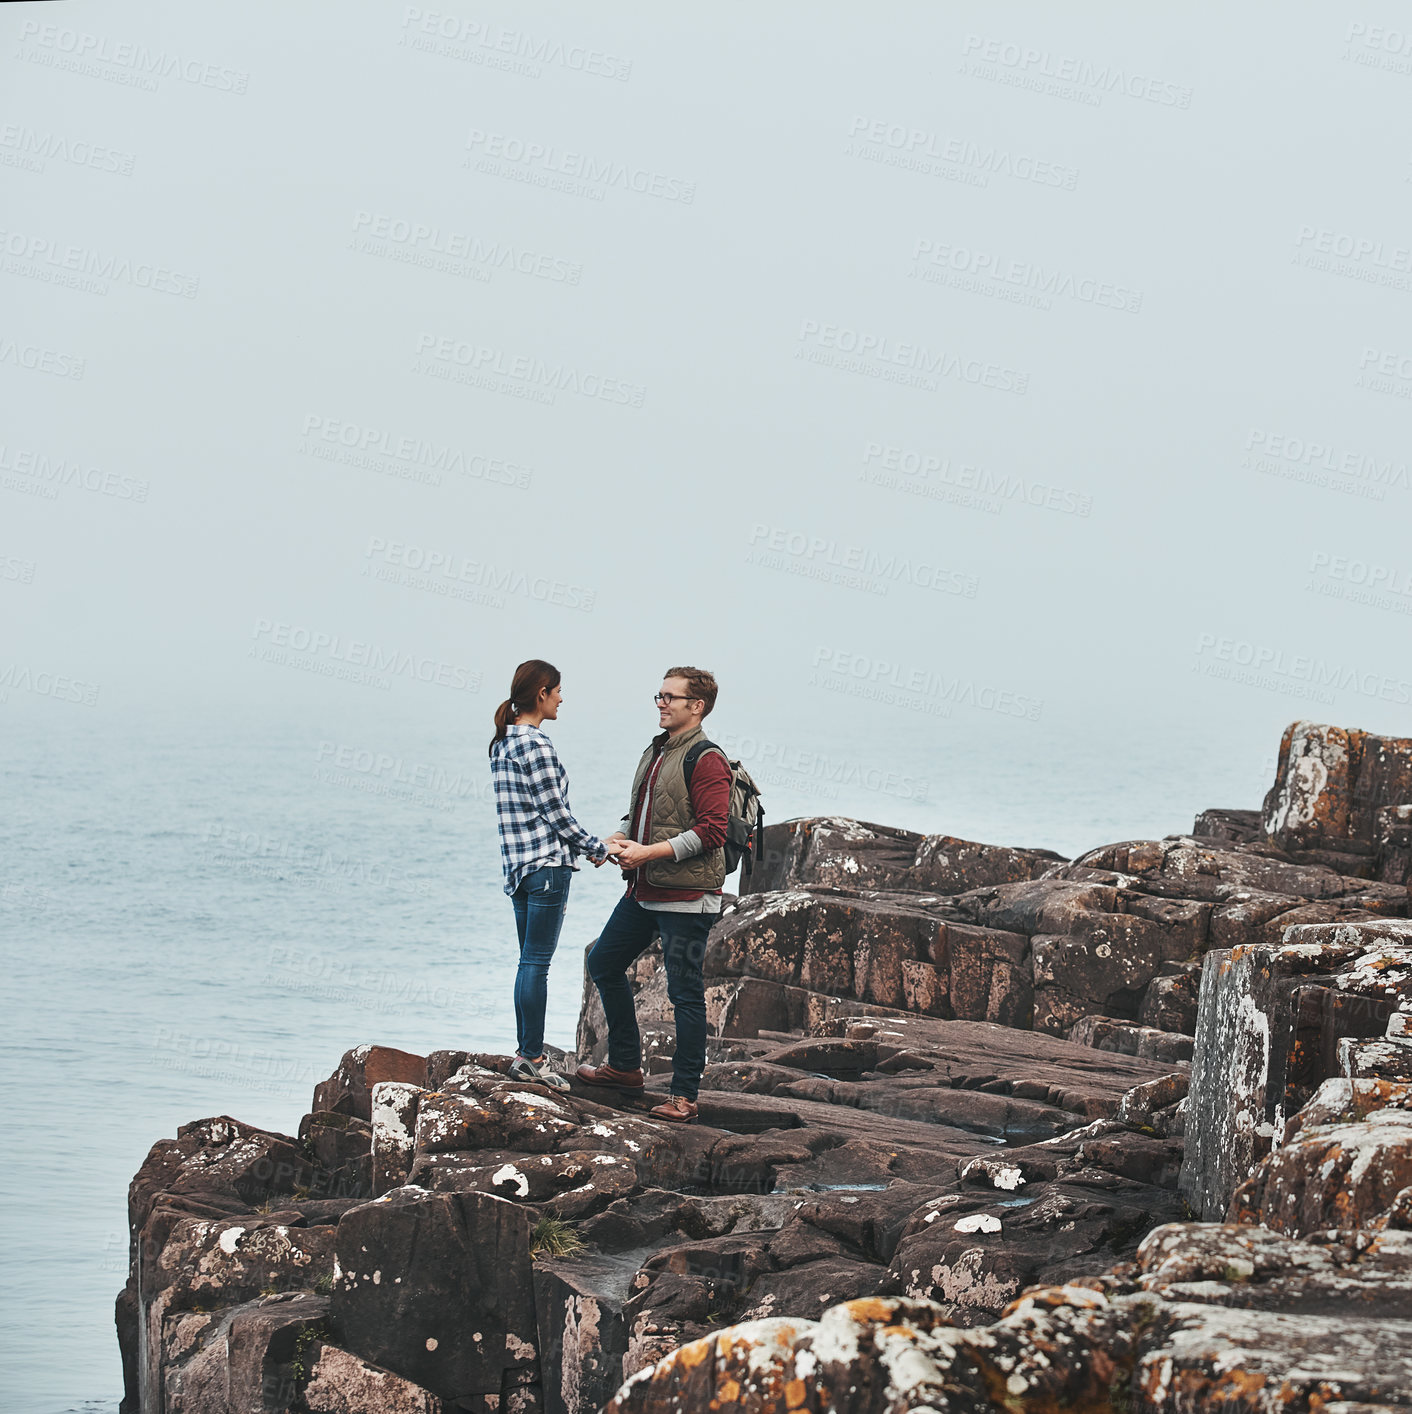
539,838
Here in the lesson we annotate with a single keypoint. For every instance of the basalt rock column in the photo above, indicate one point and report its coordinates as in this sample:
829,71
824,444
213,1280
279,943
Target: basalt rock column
1275,1022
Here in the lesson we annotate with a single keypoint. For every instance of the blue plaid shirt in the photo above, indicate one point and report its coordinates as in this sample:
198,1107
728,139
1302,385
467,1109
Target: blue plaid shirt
537,828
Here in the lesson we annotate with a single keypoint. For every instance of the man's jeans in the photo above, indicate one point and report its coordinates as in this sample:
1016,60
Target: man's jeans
625,936
539,903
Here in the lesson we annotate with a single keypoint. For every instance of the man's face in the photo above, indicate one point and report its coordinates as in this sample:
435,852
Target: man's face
680,711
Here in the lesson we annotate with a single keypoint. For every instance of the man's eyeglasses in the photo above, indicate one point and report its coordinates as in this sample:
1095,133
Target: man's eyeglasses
665,699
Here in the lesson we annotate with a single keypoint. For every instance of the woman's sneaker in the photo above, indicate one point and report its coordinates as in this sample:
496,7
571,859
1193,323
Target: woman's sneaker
538,1073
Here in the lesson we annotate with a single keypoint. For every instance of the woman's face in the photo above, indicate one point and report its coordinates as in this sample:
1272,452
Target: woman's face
549,703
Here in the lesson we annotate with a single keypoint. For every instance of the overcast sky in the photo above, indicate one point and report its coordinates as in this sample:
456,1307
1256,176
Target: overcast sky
970,371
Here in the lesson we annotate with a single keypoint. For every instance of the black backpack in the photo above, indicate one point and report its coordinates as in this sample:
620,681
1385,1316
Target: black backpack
745,825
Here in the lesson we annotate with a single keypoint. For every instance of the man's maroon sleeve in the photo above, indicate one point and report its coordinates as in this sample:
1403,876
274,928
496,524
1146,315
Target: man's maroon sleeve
711,798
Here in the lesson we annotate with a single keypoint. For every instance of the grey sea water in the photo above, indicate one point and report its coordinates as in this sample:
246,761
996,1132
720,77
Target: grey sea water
200,913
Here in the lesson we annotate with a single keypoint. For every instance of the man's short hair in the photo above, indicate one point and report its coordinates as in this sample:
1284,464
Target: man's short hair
699,683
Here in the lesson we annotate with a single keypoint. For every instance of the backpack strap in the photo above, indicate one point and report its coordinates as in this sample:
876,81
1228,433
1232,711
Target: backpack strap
753,847
694,754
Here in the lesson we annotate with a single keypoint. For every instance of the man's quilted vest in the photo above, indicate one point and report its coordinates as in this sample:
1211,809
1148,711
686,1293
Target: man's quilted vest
671,814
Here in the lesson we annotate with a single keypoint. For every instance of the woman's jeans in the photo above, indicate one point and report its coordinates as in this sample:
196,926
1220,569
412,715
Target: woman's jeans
539,903
625,937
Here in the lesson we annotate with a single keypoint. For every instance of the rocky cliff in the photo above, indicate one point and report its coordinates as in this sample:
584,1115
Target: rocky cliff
982,1129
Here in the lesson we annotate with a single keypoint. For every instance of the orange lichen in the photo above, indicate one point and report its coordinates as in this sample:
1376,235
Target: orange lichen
869,1309
1245,1384
1229,1387
697,1353
901,1332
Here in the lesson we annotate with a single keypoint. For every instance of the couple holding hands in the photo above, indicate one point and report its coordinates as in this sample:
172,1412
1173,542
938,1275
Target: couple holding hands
671,849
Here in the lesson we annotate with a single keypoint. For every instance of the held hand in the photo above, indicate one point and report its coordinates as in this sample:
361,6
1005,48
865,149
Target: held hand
615,847
631,855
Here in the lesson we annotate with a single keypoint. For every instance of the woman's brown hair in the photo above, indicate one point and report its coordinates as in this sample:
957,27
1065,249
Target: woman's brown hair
531,678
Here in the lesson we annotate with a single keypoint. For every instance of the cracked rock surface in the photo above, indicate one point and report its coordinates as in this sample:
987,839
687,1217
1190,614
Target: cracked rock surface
962,1105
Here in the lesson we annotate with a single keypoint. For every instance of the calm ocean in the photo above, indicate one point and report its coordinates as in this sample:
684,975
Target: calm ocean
199,916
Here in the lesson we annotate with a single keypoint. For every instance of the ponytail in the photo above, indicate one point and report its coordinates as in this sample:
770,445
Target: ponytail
532,677
504,714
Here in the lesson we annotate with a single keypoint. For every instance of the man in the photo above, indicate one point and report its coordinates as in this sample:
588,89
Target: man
675,865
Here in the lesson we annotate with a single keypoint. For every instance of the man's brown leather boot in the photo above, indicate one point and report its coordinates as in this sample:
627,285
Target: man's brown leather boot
606,1075
677,1110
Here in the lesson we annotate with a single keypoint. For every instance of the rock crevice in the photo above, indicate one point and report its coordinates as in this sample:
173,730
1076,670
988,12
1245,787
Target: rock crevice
982,1128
